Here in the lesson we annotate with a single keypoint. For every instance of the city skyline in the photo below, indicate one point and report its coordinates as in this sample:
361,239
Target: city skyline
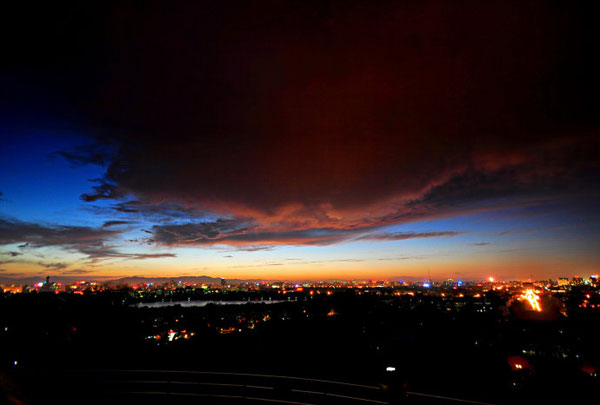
297,142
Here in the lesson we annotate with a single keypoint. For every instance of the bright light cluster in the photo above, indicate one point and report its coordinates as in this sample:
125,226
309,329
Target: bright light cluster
533,298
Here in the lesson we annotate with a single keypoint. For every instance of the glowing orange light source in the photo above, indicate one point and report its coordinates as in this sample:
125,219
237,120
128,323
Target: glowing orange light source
533,298
518,363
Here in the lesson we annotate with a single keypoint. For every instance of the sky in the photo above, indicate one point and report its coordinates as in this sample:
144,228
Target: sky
300,140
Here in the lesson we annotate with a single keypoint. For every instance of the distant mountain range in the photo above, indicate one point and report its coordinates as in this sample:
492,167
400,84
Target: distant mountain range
184,279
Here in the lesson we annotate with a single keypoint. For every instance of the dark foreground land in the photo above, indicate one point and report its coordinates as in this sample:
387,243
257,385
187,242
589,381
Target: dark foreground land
101,348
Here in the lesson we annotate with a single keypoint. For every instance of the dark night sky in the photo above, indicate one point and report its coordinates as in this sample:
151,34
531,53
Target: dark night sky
314,129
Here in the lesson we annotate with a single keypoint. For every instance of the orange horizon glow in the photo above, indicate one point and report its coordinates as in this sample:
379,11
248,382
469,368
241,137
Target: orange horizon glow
291,273
314,263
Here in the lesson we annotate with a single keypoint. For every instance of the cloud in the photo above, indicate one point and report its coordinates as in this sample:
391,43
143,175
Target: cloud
103,191
152,211
143,256
294,144
487,183
480,243
115,223
91,242
514,232
254,248
310,149
53,266
408,235
7,261
78,238
244,236
198,233
76,271
96,153
104,252
257,265
332,261
12,254
13,274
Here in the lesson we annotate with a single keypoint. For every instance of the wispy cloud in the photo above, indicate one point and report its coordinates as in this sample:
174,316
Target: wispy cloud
53,266
513,232
257,265
407,235
94,244
12,254
76,271
115,223
13,274
98,153
254,248
402,258
143,256
36,235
